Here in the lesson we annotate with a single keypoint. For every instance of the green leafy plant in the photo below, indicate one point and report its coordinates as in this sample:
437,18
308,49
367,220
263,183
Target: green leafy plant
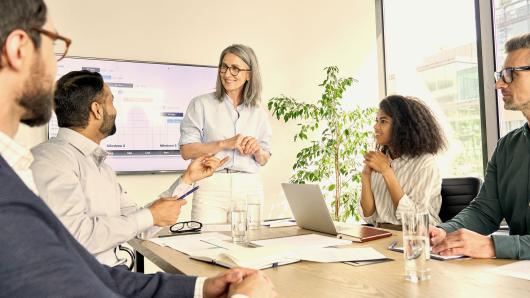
337,138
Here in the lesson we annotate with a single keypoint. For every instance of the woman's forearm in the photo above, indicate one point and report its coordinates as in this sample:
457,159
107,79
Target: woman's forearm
367,197
393,186
194,150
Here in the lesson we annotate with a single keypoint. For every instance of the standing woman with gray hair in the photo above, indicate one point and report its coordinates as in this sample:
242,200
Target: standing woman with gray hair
228,122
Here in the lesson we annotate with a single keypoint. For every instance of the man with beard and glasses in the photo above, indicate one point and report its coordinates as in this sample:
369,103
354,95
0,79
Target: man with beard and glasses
82,190
38,255
505,192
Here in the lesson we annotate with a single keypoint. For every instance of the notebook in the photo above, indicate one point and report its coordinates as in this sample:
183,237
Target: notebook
310,211
255,258
363,233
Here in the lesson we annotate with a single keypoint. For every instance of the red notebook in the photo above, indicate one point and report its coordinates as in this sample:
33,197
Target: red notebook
362,233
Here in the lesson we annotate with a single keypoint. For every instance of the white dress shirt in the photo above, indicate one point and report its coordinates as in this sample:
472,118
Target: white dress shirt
19,158
84,193
421,182
208,120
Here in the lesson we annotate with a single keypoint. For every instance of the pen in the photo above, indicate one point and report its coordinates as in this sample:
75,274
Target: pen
188,193
179,234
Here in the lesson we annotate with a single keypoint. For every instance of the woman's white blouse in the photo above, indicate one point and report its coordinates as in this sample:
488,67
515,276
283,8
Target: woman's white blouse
208,119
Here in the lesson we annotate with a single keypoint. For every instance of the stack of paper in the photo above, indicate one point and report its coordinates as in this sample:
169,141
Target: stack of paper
215,248
256,258
328,255
303,241
272,256
519,269
191,243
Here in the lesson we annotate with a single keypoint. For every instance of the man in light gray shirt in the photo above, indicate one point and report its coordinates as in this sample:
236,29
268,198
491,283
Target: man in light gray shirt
82,190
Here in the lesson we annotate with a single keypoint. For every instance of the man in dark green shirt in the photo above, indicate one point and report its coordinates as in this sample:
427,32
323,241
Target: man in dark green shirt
506,189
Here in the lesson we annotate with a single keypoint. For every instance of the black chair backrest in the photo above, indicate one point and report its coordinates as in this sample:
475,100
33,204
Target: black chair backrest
457,193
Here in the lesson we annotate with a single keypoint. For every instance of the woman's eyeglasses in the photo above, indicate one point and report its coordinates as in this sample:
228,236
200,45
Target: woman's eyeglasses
186,226
234,70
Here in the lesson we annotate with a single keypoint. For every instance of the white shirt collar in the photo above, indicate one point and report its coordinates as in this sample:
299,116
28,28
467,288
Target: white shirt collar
18,157
85,145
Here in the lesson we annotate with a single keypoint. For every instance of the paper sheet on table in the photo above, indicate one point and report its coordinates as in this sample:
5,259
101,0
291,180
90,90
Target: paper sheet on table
303,241
217,228
190,243
287,223
277,223
519,269
328,255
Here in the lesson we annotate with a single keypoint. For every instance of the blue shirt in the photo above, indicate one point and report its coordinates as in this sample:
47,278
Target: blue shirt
208,120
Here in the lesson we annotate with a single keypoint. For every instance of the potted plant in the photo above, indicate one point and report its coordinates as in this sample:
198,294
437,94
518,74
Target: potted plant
338,139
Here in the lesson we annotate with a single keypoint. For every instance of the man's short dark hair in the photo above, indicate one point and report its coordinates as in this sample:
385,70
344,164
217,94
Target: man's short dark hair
22,14
74,94
518,42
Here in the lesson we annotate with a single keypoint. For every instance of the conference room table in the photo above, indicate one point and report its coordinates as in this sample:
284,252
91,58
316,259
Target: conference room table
454,278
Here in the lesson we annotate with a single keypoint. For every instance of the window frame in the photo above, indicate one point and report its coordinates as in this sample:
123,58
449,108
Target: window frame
488,102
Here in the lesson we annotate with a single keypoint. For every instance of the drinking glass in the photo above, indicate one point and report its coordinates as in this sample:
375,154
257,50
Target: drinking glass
416,247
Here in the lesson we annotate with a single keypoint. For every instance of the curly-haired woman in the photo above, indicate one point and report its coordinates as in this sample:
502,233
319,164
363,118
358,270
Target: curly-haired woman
402,174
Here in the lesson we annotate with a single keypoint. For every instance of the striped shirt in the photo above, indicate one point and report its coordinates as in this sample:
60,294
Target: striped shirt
421,182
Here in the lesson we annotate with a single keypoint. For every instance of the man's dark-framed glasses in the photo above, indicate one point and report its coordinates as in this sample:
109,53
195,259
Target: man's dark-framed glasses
186,226
507,74
61,44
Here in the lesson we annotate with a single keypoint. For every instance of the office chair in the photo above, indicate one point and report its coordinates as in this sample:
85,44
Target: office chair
457,193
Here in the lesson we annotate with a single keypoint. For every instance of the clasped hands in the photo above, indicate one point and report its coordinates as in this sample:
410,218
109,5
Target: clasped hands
249,282
461,242
246,145
376,161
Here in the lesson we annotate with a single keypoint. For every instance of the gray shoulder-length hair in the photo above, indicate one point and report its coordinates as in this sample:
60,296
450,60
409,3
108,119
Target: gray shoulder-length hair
518,42
252,88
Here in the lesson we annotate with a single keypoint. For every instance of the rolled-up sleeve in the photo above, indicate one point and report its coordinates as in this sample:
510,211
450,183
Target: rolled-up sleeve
372,219
265,134
191,128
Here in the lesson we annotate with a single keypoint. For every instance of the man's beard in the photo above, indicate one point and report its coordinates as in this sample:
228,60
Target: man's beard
108,127
37,97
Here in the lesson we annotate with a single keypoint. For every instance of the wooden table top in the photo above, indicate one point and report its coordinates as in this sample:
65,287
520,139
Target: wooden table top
456,278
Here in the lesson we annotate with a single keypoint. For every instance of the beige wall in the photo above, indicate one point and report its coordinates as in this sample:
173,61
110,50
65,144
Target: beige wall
294,40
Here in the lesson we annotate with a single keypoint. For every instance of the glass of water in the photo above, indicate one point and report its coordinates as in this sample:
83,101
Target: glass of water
416,247
254,210
238,211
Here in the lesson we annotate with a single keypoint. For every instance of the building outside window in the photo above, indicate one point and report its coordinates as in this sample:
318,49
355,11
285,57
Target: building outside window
434,58
512,18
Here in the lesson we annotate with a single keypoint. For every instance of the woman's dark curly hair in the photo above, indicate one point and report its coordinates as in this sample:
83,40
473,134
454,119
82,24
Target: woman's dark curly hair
415,130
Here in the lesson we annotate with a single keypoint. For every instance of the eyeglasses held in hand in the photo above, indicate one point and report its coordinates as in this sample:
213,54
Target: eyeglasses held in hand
186,226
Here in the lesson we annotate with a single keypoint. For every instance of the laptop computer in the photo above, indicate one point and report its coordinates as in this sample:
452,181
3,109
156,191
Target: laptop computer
311,212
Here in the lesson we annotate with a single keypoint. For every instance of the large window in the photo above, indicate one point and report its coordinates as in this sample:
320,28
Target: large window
512,18
431,53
